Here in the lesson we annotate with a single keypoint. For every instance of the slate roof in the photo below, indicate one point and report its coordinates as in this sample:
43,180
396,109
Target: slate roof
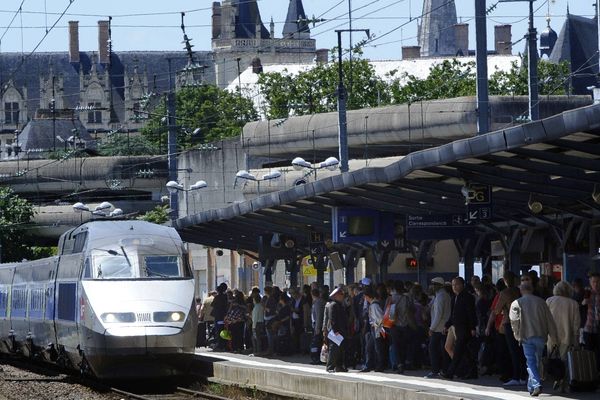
39,134
578,44
292,27
154,63
248,17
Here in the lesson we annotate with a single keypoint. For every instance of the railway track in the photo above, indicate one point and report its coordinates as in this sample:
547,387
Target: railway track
178,394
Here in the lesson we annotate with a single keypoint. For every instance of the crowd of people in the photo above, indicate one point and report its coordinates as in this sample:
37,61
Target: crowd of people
454,329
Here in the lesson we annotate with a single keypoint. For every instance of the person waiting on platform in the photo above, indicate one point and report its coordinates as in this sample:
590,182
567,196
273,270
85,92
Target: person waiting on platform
376,329
464,320
338,323
591,330
565,312
258,324
440,313
219,310
532,323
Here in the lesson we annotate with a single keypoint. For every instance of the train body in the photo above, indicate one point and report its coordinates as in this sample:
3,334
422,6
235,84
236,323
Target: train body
116,302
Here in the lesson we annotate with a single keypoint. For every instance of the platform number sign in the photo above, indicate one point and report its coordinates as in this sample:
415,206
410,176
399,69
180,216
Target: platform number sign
479,203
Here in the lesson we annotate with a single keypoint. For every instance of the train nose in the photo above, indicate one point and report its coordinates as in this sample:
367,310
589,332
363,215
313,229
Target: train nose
144,340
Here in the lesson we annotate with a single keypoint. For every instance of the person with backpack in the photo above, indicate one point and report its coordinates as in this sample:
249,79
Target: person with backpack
376,328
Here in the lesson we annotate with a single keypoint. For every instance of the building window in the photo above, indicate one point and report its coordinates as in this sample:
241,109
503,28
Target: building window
136,111
95,114
11,112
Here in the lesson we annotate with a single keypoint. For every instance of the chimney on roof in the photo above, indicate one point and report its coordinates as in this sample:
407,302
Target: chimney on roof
322,56
411,52
74,41
216,20
103,42
503,39
461,36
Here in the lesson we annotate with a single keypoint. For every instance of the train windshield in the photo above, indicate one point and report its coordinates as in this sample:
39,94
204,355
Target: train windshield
162,266
129,263
108,266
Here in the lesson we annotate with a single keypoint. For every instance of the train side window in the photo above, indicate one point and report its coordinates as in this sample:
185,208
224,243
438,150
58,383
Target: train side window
66,301
80,242
87,269
19,302
3,301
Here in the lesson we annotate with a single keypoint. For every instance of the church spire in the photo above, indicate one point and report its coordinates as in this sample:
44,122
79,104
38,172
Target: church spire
296,24
436,32
249,21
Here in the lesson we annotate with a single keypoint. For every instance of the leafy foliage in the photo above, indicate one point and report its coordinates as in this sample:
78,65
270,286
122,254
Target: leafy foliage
315,90
450,78
123,144
159,215
552,78
15,212
217,113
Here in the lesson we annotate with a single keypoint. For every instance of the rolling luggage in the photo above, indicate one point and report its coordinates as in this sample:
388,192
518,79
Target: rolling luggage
582,373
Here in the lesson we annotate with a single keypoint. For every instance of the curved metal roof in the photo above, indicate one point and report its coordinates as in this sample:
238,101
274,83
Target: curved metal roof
555,161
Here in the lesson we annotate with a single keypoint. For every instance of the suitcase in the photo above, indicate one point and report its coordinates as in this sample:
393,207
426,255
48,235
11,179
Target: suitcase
582,372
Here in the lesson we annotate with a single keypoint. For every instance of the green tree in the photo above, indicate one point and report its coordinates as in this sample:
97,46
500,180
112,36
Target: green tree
552,78
315,90
123,144
15,213
217,113
450,78
159,215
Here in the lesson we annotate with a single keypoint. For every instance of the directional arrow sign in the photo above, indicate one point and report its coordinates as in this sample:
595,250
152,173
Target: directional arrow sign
444,226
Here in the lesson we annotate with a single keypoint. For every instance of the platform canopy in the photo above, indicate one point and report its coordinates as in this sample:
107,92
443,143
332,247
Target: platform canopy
540,173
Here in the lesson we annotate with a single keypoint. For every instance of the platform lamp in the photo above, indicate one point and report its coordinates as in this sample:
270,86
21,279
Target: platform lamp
174,187
101,210
300,163
243,174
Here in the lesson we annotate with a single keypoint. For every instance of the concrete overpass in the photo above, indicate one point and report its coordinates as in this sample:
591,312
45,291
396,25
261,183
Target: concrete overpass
130,183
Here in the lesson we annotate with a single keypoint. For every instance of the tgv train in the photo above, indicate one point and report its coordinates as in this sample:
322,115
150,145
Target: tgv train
117,302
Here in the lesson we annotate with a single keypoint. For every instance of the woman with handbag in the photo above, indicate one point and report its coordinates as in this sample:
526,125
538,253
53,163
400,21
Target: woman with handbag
565,312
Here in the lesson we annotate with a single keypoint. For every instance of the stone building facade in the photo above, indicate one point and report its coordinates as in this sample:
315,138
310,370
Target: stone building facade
104,90
240,39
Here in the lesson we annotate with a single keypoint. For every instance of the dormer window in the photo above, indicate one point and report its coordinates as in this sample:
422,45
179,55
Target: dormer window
11,112
95,114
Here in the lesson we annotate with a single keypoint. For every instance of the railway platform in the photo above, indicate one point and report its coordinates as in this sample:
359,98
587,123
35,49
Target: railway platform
295,377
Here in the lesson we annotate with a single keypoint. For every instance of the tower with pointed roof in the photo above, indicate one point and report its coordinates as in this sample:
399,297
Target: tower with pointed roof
296,24
436,30
240,39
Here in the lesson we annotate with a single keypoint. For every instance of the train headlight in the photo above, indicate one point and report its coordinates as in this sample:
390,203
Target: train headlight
111,318
176,316
166,316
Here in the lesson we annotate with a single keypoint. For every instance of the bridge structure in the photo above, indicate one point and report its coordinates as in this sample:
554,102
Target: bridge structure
133,184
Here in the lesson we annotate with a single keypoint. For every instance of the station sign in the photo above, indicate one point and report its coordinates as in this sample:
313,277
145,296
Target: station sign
361,225
442,226
479,202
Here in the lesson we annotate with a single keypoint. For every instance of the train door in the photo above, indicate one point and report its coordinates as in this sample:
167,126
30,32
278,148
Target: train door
19,303
41,304
6,279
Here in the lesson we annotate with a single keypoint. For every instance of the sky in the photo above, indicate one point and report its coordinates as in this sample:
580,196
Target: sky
155,25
